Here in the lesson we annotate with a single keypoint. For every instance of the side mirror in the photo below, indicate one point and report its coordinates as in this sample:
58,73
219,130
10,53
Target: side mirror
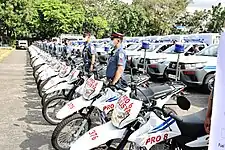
183,103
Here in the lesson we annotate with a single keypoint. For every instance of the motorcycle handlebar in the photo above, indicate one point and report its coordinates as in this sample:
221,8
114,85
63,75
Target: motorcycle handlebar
167,113
171,114
143,81
175,117
113,87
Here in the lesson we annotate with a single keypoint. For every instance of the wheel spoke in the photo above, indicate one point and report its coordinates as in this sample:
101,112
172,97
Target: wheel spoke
69,133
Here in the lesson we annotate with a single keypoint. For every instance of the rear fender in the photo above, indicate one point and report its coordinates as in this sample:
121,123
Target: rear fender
200,142
98,136
72,107
59,87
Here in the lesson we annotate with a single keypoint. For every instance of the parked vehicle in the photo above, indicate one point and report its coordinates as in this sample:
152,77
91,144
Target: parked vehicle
22,44
151,53
157,69
198,70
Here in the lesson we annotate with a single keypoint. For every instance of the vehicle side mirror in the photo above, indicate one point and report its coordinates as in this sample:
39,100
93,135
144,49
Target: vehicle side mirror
183,103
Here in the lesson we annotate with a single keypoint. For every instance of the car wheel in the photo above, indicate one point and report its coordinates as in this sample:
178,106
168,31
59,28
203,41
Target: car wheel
209,82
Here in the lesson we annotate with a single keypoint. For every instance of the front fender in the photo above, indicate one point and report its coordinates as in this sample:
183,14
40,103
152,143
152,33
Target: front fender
44,76
72,107
54,81
59,87
98,136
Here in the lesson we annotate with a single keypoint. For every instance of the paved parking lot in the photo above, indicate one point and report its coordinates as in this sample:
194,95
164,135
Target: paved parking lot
21,124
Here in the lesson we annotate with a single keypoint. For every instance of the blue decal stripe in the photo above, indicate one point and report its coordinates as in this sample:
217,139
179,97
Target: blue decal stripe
167,125
163,124
112,99
210,67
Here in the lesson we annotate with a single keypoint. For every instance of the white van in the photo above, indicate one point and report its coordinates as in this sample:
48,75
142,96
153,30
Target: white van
22,44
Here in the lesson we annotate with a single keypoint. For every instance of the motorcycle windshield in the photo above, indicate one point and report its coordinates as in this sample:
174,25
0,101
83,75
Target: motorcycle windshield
126,111
92,88
74,75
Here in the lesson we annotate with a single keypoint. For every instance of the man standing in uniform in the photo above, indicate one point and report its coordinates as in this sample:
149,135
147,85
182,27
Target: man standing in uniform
117,62
88,53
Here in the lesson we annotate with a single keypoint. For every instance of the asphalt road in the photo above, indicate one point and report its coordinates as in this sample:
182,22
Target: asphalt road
21,123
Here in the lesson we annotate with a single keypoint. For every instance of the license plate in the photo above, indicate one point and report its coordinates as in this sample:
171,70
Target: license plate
171,76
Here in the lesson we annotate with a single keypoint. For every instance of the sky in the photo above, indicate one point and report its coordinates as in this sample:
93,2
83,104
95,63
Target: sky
197,4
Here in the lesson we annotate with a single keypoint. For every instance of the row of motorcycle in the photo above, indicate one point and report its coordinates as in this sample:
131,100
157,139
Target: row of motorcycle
91,114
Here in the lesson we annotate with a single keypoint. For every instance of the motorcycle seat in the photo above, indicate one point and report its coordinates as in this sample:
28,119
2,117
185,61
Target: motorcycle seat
154,92
193,125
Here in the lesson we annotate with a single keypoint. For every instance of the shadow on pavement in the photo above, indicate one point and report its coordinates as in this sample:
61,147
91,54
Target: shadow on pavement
38,131
36,140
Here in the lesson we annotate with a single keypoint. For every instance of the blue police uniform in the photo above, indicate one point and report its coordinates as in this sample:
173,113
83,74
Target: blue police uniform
69,49
87,53
118,57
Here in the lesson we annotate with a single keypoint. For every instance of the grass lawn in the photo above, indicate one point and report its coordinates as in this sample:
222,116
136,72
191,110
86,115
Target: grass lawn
4,52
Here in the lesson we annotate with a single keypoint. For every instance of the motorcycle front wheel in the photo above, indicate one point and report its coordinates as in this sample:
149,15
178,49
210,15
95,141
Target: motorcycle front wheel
66,131
51,108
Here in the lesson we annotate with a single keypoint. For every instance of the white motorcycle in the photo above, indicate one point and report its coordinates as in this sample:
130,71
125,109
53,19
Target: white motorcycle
96,101
161,97
163,131
129,114
59,82
65,91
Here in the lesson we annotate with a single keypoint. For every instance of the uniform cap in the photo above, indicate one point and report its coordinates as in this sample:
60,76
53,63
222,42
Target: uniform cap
117,35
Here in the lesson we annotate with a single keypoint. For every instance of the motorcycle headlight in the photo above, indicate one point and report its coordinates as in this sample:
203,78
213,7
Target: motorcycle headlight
118,116
87,92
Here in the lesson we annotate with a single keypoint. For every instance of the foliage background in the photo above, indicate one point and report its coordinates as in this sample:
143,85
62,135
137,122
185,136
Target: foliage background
40,19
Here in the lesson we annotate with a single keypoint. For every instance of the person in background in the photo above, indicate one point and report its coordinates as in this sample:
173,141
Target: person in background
196,48
117,62
88,53
207,122
69,49
54,47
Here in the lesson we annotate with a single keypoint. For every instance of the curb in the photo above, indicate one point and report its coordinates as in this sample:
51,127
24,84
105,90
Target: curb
4,55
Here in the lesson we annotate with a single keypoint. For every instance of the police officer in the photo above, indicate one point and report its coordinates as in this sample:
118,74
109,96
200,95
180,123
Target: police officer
88,53
117,62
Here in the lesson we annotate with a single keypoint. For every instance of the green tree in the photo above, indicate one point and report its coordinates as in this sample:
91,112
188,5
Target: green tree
17,17
56,18
194,23
217,19
162,14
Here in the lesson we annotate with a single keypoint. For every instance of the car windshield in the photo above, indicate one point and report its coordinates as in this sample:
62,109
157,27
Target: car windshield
209,51
171,49
133,47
